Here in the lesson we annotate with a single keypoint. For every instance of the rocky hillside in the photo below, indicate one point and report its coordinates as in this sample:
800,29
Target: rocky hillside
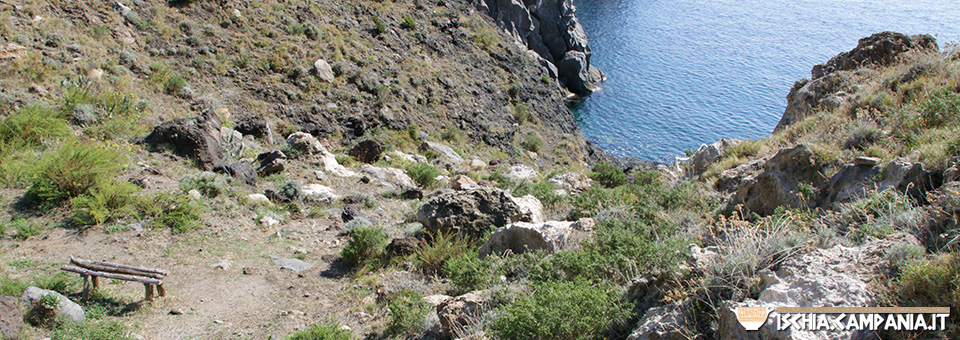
341,170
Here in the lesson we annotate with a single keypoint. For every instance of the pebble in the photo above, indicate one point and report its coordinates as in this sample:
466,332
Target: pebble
176,311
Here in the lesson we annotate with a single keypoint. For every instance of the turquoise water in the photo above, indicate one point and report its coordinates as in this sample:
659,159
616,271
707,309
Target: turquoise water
684,72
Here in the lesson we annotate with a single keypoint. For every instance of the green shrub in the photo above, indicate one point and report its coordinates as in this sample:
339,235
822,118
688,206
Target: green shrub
940,109
107,201
72,171
207,183
532,142
174,84
467,272
422,173
378,25
25,229
408,23
522,113
31,127
179,213
12,287
407,314
366,246
439,248
452,134
608,175
60,282
91,330
562,310
931,283
327,331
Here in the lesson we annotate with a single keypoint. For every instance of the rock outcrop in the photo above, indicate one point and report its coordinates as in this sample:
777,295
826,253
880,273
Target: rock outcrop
473,212
551,236
457,313
196,138
790,179
827,87
551,30
837,276
708,154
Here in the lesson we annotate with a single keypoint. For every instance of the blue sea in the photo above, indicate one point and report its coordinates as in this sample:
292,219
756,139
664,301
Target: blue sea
687,72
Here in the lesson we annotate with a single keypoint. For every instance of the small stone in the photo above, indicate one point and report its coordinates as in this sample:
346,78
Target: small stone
321,176
218,321
176,311
478,164
193,193
258,198
222,264
323,70
95,73
345,328
269,221
867,161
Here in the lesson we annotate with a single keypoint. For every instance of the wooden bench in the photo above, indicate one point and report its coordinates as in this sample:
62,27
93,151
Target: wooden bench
92,271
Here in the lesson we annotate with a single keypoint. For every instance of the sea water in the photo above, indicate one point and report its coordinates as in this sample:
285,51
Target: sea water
682,73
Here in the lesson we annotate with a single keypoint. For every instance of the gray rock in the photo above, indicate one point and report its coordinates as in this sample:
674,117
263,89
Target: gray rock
195,138
520,172
474,211
30,300
84,115
570,182
783,182
305,143
708,154
241,171
296,265
851,183
837,276
731,179
551,236
446,153
866,161
574,72
271,163
11,319
457,312
668,322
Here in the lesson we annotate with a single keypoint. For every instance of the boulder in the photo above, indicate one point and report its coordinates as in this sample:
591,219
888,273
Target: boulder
241,171
473,212
731,179
520,172
463,182
305,143
196,138
574,72
791,179
403,246
271,163
910,178
667,322
834,277
11,319
571,182
351,213
318,192
708,154
849,184
330,165
258,199
252,125
458,312
551,236
323,70
367,151
296,265
411,193
37,314
447,154
390,175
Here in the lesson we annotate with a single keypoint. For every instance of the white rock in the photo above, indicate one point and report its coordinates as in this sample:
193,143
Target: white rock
323,70
570,182
435,300
552,236
320,192
331,166
31,299
193,193
236,13
321,176
520,173
530,207
478,164
269,221
306,143
446,153
258,199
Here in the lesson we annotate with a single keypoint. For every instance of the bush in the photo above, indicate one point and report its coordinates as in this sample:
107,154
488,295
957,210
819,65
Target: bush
174,84
327,331
439,248
422,173
26,229
12,287
72,171
940,109
532,142
107,201
31,127
932,283
408,23
562,310
207,183
468,273
544,191
521,113
608,174
179,213
378,25
407,314
366,246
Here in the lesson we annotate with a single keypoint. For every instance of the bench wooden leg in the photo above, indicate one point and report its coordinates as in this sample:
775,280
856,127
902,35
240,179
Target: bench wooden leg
160,291
86,286
96,282
149,291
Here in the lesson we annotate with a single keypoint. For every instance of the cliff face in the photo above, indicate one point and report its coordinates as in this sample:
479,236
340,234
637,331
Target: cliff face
550,31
